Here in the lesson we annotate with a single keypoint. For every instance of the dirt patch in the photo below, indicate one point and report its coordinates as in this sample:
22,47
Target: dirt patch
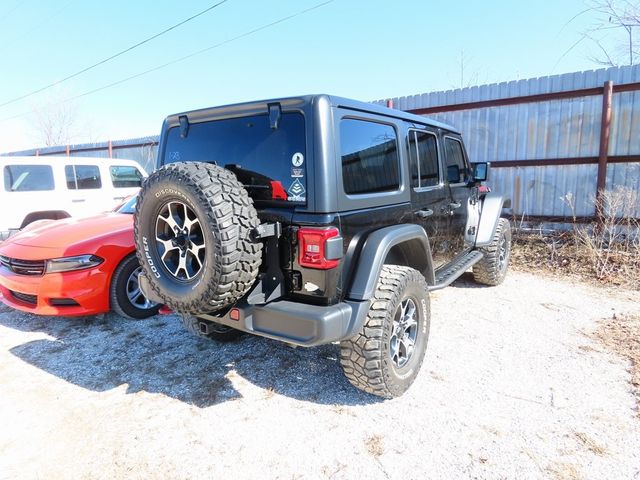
375,445
621,333
510,388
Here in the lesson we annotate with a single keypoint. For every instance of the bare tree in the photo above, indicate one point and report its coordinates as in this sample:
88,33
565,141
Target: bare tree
467,74
615,31
54,122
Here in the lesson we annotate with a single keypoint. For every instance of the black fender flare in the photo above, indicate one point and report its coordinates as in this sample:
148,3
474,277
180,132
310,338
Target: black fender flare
492,205
377,246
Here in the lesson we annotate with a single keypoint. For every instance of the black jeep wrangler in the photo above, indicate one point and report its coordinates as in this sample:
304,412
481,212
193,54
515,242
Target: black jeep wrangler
317,219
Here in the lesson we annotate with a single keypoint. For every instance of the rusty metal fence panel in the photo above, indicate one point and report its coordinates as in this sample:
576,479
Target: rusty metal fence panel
543,136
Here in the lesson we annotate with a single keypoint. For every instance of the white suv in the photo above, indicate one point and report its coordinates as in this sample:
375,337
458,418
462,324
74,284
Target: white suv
37,188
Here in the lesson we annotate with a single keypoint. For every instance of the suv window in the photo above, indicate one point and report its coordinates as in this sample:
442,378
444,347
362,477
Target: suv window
82,177
125,176
369,156
423,152
456,165
269,162
28,178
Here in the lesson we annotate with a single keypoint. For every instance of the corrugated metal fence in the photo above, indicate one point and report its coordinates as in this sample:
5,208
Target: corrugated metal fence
544,136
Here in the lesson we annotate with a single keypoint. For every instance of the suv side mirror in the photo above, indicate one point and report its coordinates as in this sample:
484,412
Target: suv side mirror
480,171
453,174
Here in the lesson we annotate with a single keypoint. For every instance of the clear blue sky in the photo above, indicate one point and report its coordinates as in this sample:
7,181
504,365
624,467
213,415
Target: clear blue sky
355,48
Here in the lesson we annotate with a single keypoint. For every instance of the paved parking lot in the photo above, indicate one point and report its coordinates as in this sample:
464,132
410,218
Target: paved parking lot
513,385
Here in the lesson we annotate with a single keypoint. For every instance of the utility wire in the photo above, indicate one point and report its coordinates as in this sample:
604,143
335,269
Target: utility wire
122,52
181,59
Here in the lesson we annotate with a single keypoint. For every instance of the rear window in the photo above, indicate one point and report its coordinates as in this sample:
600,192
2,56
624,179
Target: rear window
125,176
28,178
270,163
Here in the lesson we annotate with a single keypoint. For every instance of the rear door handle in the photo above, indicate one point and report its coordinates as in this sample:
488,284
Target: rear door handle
454,205
424,213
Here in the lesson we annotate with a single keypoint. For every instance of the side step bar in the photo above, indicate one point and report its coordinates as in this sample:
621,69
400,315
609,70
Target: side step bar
452,272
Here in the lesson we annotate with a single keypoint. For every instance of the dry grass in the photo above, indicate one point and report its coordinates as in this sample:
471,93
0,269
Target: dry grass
607,251
560,254
621,334
590,443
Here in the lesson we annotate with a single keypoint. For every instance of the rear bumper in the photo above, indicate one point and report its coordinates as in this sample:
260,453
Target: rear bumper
291,322
297,323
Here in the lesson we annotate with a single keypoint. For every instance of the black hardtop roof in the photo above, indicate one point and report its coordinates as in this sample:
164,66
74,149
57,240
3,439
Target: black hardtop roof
298,101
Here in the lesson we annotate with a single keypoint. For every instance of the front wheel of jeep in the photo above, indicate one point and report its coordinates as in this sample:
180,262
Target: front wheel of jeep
492,269
384,358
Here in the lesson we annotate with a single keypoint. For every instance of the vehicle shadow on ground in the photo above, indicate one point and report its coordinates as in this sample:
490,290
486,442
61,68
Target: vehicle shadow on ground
158,356
466,281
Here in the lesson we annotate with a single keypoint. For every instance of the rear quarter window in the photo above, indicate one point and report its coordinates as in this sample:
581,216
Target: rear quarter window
270,163
369,154
125,176
28,178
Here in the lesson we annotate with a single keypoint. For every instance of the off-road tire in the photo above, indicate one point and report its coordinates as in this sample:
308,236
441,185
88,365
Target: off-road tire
118,298
227,219
366,358
492,269
221,333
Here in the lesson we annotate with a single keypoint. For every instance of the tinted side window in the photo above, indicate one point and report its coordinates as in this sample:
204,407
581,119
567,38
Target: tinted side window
83,177
369,157
423,151
125,177
28,178
456,165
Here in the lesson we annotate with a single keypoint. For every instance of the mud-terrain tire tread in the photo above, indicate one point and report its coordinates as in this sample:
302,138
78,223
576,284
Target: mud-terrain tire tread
226,334
230,215
363,356
487,271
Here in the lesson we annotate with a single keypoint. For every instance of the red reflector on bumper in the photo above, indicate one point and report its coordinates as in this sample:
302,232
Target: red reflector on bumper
164,310
234,314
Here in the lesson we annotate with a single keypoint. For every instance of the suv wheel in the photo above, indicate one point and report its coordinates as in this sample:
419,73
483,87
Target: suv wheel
217,331
194,227
492,269
126,298
385,357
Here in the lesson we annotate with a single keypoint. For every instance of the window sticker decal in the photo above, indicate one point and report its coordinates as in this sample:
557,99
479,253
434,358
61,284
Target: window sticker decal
297,159
297,191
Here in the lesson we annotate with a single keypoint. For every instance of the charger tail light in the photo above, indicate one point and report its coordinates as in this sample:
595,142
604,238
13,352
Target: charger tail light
313,248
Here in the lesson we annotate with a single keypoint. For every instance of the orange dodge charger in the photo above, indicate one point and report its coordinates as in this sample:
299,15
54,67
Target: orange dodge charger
75,267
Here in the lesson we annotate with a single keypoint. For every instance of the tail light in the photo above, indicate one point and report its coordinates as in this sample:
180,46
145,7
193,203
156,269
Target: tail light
320,248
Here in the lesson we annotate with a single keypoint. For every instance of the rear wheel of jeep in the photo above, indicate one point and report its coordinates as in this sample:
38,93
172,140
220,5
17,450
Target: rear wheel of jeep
217,331
385,356
492,269
194,236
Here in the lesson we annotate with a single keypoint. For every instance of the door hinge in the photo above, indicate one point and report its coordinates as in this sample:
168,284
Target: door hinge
265,230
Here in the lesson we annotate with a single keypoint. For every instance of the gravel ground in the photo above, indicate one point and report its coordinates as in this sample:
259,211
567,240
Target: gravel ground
512,386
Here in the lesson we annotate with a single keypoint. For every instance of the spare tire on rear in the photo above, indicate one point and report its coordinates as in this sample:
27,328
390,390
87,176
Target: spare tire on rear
193,235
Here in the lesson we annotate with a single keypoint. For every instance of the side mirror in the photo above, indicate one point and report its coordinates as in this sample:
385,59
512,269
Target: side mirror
453,174
480,171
